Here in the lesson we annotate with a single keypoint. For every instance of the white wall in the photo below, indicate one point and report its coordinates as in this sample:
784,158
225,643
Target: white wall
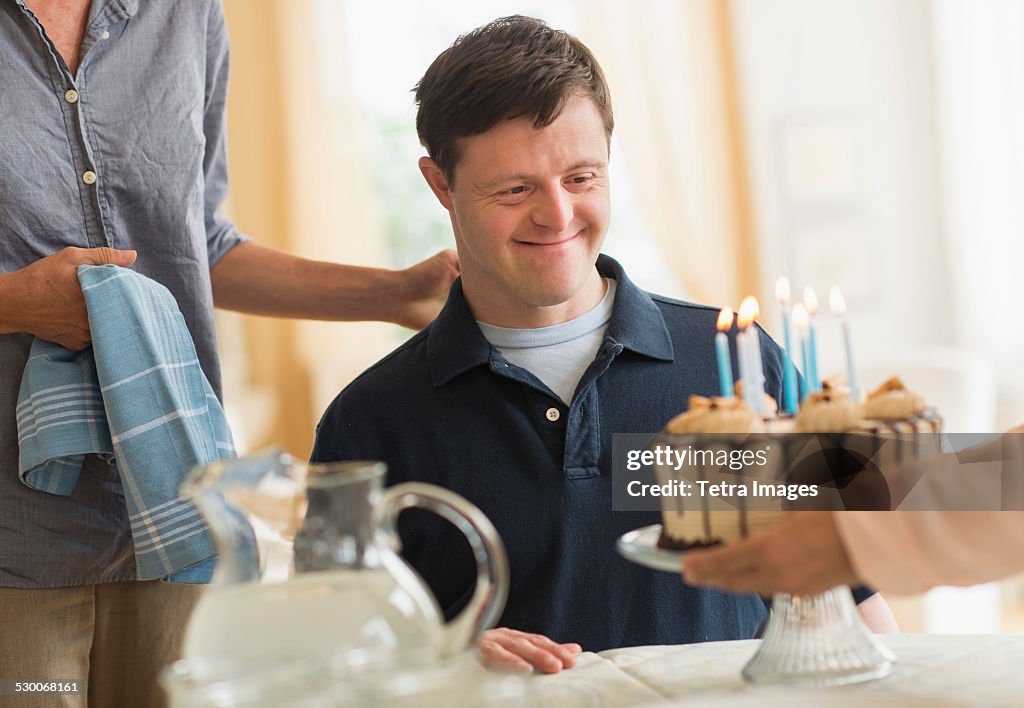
839,111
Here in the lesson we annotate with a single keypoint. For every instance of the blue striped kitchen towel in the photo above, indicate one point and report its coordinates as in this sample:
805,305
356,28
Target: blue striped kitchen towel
139,397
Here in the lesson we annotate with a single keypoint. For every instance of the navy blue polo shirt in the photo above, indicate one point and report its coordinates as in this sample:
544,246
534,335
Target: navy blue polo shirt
449,409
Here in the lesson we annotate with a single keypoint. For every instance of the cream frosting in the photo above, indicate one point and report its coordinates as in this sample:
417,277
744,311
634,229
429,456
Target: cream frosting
893,401
716,415
828,411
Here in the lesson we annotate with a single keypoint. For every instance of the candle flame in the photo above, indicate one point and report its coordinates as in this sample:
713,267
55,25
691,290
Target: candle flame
782,291
801,319
725,319
811,301
749,311
836,301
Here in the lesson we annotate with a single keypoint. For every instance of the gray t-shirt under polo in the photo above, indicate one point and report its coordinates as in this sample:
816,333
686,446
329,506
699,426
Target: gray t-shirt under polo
557,355
128,153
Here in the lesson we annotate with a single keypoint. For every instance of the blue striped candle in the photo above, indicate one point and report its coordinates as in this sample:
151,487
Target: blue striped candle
725,385
789,382
800,323
812,356
811,302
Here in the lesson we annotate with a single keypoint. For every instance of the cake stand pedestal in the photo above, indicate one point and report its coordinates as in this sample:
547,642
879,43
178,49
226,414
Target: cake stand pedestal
817,640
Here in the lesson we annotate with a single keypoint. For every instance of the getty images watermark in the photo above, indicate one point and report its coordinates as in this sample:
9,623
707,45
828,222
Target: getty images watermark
676,459
821,471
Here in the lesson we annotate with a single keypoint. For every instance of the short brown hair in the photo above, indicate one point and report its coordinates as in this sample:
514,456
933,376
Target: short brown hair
513,67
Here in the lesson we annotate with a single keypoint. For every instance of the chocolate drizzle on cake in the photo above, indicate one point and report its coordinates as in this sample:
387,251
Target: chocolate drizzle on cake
850,444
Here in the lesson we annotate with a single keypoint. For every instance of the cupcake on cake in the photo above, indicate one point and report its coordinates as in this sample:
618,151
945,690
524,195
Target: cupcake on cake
893,401
713,425
830,410
716,415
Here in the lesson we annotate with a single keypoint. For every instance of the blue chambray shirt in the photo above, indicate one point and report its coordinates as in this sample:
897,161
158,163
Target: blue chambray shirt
129,153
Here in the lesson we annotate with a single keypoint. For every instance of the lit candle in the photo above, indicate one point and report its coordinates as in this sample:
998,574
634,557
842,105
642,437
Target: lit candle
722,350
753,384
782,293
837,304
800,323
811,302
744,361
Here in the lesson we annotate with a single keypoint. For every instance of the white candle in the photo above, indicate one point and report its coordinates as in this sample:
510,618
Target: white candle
744,362
753,384
837,303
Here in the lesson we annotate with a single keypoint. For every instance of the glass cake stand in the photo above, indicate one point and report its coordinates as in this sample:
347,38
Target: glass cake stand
817,640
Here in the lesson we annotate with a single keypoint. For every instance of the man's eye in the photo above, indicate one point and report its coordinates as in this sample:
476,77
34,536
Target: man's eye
518,189
581,179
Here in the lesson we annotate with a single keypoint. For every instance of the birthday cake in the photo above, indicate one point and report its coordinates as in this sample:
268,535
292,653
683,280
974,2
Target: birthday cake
830,455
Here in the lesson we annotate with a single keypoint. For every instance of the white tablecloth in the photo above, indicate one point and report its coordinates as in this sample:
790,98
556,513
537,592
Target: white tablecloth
931,670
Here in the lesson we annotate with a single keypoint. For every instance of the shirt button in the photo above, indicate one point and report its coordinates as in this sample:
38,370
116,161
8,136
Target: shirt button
71,96
105,35
89,177
553,414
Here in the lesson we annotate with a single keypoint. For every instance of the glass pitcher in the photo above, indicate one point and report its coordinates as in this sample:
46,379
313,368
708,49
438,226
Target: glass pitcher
308,565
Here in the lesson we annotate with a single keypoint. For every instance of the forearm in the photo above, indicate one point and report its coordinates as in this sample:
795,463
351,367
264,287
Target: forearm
909,552
9,304
262,281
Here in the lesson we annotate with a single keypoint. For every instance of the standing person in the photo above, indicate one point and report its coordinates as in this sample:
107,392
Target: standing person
544,351
112,150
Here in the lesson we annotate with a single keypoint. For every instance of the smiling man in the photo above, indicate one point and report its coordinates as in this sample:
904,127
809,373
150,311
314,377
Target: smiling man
544,350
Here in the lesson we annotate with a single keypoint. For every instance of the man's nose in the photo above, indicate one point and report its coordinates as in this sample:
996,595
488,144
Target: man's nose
553,209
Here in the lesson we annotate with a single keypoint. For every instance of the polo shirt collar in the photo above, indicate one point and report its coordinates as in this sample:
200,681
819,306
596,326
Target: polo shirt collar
455,343
637,323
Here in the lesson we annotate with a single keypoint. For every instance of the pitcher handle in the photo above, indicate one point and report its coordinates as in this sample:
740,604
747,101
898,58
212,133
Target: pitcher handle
492,574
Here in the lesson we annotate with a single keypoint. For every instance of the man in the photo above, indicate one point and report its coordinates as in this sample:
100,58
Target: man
899,551
543,351
112,151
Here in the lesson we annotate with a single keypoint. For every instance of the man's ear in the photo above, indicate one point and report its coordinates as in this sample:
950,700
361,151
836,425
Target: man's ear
438,184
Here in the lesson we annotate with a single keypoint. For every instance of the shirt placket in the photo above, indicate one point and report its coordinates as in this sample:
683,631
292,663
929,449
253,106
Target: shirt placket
544,408
572,433
583,429
71,93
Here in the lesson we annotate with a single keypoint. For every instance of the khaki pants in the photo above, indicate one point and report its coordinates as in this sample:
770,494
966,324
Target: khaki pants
114,637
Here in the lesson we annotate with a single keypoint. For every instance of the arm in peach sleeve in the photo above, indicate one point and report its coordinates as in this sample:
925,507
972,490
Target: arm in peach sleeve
908,552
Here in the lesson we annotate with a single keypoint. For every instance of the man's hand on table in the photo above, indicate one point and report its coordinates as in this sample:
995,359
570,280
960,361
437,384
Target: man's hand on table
521,652
45,299
801,556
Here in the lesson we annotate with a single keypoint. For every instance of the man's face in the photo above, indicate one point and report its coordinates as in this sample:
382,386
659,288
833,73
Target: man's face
530,210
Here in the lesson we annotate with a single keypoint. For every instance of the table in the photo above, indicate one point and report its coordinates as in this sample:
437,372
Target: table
931,670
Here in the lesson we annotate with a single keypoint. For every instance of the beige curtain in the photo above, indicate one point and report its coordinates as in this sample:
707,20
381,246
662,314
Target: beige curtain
299,183
672,75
